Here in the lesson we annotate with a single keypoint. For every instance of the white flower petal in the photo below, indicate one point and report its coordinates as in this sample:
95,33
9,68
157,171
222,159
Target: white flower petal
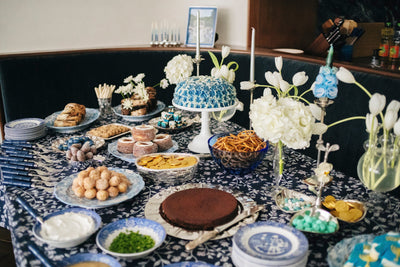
396,128
284,85
390,119
299,78
345,75
278,63
377,103
225,51
246,85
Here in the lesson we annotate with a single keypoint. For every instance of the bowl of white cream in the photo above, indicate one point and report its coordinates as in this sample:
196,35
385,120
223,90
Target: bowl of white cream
67,228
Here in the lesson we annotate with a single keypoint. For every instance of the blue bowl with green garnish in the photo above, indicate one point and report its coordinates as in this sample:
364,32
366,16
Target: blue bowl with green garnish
131,238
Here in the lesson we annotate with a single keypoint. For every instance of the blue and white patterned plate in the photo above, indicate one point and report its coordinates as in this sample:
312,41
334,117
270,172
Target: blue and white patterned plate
271,242
91,116
108,233
160,107
189,264
84,257
24,125
63,191
112,149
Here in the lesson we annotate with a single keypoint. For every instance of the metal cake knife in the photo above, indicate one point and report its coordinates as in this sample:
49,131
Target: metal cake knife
210,234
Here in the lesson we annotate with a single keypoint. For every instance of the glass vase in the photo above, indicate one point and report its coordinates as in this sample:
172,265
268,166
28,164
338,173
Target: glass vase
379,167
278,164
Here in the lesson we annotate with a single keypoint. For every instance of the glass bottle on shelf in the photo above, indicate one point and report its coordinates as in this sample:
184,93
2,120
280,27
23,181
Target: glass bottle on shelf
386,40
394,49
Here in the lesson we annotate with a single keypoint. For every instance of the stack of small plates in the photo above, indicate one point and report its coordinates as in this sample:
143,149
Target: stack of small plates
25,129
269,244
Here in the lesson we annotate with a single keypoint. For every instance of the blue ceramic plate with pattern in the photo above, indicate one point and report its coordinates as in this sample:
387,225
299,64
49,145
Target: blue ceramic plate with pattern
189,264
271,242
160,107
24,125
63,191
112,149
91,116
151,228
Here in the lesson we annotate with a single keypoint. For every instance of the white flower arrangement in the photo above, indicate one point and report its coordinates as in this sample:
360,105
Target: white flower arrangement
221,70
382,157
133,85
286,118
178,69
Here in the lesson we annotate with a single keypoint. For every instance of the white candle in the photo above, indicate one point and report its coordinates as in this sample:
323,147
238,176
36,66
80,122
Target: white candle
198,35
253,33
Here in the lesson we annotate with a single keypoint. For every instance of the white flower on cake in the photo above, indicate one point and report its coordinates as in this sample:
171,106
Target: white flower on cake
140,89
221,70
127,103
179,68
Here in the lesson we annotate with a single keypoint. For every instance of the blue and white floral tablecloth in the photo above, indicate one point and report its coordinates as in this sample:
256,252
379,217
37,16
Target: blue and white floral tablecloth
383,212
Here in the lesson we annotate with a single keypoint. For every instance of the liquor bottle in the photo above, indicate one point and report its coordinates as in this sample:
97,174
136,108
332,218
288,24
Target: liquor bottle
394,49
386,40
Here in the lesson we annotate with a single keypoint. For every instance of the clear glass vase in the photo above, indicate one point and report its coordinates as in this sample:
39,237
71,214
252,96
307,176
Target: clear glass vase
278,164
379,167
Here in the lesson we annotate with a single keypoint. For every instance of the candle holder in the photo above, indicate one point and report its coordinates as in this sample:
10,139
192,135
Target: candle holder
197,60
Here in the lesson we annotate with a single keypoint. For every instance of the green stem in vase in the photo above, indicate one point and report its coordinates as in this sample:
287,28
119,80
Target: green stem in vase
280,147
382,158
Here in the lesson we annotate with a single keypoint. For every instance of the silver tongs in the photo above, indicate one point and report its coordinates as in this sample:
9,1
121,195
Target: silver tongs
210,234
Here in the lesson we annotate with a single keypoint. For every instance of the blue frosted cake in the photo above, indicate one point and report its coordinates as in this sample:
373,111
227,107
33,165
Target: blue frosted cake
204,92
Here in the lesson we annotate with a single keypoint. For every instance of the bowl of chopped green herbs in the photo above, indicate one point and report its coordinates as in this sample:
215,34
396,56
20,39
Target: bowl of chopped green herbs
131,238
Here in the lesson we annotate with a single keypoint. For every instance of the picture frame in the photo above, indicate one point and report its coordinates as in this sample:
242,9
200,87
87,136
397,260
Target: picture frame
208,25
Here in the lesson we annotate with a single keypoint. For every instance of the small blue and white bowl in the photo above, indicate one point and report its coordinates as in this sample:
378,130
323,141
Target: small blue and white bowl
145,227
90,257
37,228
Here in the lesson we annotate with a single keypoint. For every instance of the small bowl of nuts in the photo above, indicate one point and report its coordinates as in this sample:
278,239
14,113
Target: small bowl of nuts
168,168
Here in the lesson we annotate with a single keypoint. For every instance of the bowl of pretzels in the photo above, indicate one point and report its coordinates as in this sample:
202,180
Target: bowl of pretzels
238,153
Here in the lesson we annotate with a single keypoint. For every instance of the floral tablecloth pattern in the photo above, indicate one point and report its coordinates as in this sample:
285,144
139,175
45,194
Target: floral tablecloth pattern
383,211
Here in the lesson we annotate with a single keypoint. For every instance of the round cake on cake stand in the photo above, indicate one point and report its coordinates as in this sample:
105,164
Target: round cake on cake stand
199,144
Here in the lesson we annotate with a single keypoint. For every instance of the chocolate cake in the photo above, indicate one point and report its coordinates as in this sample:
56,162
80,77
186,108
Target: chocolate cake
199,208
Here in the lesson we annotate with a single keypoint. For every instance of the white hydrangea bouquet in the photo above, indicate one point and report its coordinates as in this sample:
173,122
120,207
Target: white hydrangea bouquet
287,118
178,69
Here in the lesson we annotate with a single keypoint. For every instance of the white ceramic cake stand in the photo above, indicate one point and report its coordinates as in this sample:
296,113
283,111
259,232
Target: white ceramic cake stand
199,144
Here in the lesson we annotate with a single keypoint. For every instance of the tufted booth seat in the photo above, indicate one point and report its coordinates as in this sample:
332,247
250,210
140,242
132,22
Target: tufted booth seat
36,85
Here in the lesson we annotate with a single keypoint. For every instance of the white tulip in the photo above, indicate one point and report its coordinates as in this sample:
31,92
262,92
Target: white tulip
316,111
245,85
284,85
224,71
300,78
345,76
214,72
271,79
394,105
225,51
231,76
390,119
278,63
371,123
377,103
396,128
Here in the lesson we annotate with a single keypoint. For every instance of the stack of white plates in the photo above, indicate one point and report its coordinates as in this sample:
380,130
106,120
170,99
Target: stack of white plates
25,129
269,244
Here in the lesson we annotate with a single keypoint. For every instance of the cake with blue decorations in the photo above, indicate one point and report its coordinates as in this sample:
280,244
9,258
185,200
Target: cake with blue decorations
204,92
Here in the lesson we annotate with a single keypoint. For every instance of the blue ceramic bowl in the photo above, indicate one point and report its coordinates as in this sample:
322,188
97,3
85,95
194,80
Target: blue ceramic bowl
236,162
146,227
84,257
37,228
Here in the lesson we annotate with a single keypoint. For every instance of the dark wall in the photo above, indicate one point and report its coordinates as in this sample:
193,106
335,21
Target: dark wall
37,86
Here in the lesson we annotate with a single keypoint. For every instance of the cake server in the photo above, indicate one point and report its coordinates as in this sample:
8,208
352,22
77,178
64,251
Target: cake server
219,229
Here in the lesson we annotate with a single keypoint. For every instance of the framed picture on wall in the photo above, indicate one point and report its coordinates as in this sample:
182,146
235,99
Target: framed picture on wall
208,24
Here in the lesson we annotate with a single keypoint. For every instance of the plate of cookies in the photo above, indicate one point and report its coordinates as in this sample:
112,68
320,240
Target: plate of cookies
72,119
99,187
110,131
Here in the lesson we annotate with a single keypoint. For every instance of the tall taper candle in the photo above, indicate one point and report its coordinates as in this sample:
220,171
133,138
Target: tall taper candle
198,35
253,33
